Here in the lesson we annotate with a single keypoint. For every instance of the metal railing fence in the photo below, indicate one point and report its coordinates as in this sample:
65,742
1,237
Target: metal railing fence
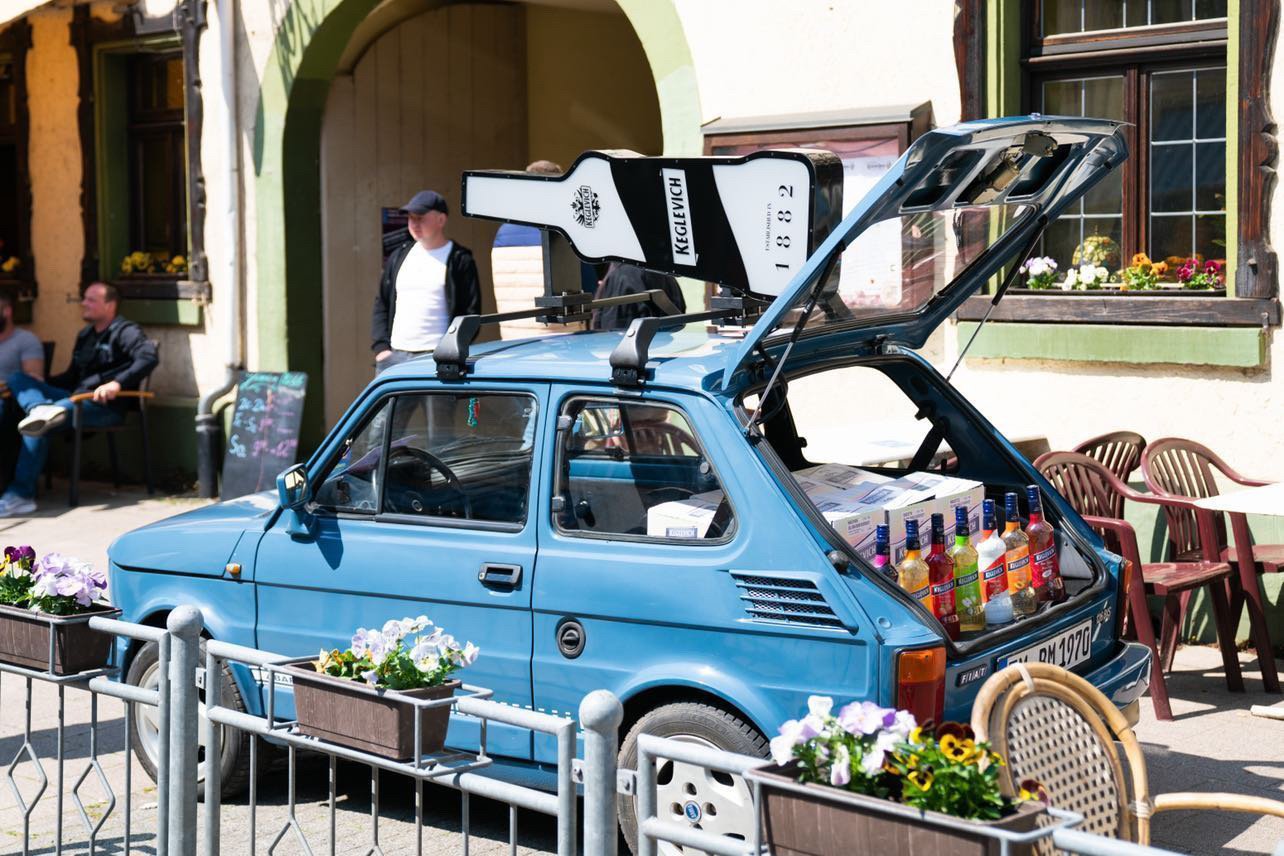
182,734
97,683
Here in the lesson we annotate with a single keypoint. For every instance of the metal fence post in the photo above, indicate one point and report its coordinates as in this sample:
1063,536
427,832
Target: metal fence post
184,625
600,715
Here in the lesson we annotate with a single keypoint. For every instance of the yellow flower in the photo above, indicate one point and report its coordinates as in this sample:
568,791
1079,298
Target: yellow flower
922,779
11,264
996,758
916,736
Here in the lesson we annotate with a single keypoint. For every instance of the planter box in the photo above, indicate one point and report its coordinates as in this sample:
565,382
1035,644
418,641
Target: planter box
817,820
1121,292
356,715
24,640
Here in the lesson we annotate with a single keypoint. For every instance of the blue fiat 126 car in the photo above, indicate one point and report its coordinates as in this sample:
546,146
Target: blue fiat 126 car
646,512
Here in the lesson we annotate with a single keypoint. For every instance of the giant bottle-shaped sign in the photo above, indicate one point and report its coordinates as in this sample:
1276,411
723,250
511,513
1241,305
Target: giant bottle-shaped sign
744,222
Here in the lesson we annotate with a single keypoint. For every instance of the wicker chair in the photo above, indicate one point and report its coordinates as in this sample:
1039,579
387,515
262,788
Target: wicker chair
1053,726
1118,451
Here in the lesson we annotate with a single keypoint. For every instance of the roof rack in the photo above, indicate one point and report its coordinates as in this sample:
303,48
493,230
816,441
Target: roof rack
451,353
629,359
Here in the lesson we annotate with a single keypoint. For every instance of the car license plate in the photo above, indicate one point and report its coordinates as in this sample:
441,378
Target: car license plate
1066,649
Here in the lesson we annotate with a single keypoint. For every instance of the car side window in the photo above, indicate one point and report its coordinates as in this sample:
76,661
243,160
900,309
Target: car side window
350,485
631,468
466,456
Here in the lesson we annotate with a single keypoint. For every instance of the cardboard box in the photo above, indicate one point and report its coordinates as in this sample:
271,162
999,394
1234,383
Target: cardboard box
853,520
967,494
839,476
683,518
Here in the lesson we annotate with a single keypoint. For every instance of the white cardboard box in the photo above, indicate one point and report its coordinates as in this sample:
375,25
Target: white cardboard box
683,518
853,520
839,476
968,494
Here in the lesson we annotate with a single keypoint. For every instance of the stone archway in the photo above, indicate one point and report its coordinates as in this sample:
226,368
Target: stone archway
310,43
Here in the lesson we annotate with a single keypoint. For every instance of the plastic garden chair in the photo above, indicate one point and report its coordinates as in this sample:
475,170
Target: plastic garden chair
1053,726
1174,467
1118,451
1098,495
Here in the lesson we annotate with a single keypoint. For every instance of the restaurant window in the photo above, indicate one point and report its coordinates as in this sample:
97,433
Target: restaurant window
12,251
1159,223
142,165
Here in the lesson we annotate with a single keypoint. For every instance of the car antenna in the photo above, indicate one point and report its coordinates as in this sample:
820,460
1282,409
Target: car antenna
999,292
812,300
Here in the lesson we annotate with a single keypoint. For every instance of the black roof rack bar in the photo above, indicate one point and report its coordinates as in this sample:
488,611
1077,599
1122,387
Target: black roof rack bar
628,360
451,353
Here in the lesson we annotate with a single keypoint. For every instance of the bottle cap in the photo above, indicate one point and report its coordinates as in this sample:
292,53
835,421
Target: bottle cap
1011,510
988,514
960,521
911,535
882,534
1033,498
938,528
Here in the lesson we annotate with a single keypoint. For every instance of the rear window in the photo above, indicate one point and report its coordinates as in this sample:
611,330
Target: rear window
637,470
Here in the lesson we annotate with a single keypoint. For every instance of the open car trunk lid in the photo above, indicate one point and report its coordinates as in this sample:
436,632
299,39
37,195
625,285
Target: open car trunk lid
1031,167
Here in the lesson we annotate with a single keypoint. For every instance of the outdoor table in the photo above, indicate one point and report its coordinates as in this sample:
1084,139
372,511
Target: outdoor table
1267,500
884,451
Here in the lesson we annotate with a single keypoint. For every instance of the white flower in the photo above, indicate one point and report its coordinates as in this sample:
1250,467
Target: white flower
782,748
1071,280
469,655
820,705
1102,274
840,774
904,725
370,676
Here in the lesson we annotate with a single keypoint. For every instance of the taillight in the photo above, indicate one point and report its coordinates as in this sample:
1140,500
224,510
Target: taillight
920,683
1126,570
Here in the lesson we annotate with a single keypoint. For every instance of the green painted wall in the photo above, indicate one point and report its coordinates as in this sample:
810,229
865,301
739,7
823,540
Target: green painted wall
1241,347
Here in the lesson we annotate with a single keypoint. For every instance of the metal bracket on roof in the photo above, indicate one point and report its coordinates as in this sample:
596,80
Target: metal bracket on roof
451,353
629,359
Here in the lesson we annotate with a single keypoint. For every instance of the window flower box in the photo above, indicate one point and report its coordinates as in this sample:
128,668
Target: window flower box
815,819
25,637
370,696
370,719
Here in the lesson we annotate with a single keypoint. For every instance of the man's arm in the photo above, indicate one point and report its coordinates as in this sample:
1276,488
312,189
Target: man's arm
380,317
468,285
32,356
142,356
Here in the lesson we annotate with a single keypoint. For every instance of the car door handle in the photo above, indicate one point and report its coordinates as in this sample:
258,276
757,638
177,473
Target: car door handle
495,575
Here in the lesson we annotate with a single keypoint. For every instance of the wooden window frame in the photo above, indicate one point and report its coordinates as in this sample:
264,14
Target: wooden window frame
1255,289
15,41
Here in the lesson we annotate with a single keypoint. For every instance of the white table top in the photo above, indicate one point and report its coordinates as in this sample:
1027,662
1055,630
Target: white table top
1268,500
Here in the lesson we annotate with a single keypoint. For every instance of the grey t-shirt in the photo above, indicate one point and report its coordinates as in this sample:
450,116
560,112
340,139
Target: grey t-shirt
22,345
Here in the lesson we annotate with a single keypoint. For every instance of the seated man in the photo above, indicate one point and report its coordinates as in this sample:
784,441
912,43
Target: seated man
111,354
20,351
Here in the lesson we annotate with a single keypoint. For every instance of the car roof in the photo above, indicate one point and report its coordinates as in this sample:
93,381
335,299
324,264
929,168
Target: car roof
690,357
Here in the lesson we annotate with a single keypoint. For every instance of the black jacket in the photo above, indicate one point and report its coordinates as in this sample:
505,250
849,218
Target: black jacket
463,291
630,279
122,353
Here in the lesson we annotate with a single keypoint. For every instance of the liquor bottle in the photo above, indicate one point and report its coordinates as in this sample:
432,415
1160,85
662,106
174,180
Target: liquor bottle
940,576
911,573
1017,557
1045,568
883,552
991,553
967,579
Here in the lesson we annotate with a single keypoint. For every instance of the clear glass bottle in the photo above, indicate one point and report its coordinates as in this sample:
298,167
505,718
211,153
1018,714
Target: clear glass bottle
1045,567
991,559
967,578
1024,601
940,576
912,572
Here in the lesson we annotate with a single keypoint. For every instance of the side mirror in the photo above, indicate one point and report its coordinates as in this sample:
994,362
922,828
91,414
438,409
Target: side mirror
292,487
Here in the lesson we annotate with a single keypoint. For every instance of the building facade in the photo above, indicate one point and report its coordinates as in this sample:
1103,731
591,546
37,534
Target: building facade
256,150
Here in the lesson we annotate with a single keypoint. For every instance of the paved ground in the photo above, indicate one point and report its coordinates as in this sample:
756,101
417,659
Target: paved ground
1214,744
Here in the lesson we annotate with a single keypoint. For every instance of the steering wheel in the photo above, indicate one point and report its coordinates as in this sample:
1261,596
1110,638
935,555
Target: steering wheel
436,463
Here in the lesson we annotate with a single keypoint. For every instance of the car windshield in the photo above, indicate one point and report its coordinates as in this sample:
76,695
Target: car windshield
896,266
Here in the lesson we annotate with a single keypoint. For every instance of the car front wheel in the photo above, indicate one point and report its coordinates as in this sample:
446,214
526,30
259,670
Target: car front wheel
234,768
711,800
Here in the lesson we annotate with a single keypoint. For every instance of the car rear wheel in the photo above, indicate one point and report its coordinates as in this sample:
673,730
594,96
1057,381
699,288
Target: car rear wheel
705,799
234,768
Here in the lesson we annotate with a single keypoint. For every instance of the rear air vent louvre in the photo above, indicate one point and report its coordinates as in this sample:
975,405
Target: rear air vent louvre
781,600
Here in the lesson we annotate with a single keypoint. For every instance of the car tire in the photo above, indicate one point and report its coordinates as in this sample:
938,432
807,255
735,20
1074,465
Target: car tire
234,769
722,803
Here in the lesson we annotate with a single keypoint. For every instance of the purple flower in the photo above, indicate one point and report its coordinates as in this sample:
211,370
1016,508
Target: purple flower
19,554
840,774
865,717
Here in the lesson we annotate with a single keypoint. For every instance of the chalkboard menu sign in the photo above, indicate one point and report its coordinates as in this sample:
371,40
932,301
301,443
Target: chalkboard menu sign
264,439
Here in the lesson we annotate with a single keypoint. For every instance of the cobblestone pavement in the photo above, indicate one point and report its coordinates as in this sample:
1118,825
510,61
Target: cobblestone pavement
1214,744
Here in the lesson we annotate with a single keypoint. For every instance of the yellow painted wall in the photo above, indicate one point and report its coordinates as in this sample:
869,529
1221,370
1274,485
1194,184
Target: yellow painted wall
588,85
57,236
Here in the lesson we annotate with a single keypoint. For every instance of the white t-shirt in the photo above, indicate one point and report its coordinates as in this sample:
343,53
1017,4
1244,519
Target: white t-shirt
420,315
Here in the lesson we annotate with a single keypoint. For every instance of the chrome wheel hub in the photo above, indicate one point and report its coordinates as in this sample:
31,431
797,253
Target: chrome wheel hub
713,801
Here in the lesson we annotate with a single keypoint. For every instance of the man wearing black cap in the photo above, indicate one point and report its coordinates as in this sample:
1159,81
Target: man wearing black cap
427,280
